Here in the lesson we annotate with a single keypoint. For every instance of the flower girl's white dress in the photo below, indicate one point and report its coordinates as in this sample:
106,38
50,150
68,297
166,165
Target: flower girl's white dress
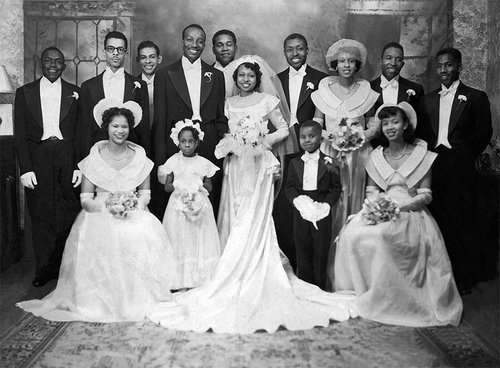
112,270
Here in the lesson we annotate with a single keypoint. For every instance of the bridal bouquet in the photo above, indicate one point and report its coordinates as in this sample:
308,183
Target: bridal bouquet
119,204
191,204
246,133
349,136
383,209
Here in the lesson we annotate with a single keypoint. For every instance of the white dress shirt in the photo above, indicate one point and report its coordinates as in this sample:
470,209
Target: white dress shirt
310,178
114,84
447,95
150,84
390,89
228,77
50,99
295,79
192,72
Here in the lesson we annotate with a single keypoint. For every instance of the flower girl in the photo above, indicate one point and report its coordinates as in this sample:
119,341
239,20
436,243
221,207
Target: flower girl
189,218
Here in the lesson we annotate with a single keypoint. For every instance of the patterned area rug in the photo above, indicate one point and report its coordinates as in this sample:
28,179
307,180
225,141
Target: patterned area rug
35,342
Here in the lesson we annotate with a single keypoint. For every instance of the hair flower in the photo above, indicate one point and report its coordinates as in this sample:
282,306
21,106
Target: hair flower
410,93
174,135
461,98
75,95
208,77
136,85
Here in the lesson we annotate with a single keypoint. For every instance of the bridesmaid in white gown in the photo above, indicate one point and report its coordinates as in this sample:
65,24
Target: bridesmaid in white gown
399,269
113,269
253,286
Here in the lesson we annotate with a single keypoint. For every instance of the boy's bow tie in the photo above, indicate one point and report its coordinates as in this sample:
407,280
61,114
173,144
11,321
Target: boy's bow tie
310,156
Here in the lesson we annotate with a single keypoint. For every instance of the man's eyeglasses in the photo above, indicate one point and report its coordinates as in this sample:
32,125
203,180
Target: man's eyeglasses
111,49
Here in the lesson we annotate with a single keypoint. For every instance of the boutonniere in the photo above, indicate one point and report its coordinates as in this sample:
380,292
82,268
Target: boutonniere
136,85
309,85
461,98
75,95
208,77
330,166
410,93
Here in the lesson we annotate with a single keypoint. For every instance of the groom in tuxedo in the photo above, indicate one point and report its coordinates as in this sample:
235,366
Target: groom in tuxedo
391,86
299,80
457,122
190,89
46,117
117,84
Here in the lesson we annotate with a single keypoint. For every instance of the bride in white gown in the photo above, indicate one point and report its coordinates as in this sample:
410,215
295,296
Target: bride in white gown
253,287
113,269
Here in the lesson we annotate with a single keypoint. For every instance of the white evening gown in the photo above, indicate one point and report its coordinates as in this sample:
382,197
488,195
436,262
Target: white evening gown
352,165
399,269
112,270
253,287
195,238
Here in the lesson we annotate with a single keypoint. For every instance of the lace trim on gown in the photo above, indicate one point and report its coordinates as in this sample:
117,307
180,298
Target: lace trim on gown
358,104
102,175
412,170
261,104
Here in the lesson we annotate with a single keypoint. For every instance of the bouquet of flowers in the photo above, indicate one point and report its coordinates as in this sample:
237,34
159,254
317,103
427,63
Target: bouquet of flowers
119,204
191,204
246,133
349,136
383,209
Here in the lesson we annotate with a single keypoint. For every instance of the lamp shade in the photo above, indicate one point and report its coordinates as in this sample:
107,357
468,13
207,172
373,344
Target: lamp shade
5,86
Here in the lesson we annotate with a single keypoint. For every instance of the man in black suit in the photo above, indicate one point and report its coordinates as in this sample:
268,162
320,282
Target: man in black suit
117,84
299,80
46,116
190,89
224,48
393,88
456,120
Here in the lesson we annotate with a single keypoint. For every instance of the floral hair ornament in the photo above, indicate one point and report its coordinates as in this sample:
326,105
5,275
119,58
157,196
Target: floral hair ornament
405,106
353,47
108,103
181,124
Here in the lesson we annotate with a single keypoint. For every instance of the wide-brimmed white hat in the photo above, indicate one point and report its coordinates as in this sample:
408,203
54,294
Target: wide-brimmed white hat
107,103
406,107
357,49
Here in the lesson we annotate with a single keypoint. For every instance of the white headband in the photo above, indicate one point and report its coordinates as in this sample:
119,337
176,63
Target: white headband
107,103
174,135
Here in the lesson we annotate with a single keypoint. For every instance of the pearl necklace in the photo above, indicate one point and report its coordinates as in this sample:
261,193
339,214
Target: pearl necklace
349,91
117,159
402,154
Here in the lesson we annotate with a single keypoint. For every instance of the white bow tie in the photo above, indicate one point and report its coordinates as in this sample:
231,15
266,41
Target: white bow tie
393,83
310,156
444,91
116,75
294,73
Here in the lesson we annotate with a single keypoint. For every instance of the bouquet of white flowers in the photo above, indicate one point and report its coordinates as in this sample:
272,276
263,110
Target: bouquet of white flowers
349,136
383,209
119,204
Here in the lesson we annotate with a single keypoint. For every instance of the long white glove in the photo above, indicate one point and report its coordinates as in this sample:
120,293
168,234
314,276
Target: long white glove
372,193
89,204
28,179
423,198
373,128
144,198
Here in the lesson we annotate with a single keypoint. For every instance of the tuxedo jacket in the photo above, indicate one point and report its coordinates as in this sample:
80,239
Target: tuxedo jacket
305,106
328,187
470,128
172,103
404,85
93,92
29,122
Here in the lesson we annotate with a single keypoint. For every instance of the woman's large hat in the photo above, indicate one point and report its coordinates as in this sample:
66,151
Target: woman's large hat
107,103
406,107
357,49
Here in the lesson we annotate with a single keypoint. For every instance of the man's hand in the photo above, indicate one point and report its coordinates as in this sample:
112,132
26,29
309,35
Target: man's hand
77,178
29,180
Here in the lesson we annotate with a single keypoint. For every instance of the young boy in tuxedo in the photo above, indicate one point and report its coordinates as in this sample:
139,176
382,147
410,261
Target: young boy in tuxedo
313,186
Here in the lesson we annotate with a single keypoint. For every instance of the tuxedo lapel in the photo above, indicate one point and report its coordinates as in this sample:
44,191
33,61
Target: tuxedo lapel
403,87
321,166
130,88
375,84
179,82
433,109
206,82
96,89
299,169
305,91
66,99
458,105
33,100
286,85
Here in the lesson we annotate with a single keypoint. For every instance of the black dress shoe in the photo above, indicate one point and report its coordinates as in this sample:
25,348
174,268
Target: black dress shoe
40,281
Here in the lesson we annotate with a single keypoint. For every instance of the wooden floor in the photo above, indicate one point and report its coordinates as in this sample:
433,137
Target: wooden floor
481,308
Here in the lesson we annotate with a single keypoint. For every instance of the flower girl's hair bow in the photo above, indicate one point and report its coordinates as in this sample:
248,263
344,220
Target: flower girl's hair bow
181,124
